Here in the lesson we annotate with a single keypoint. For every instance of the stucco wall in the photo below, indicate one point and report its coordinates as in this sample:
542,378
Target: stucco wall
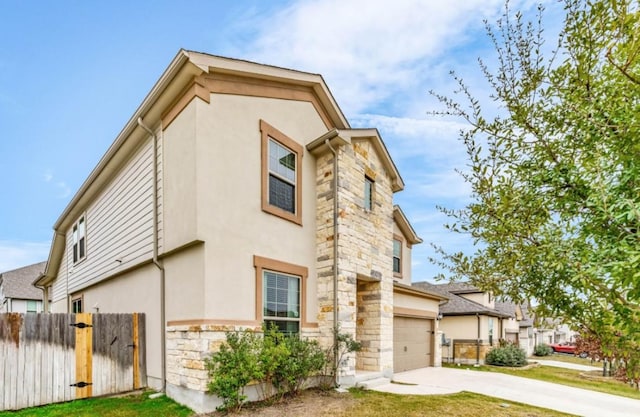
406,257
135,291
230,219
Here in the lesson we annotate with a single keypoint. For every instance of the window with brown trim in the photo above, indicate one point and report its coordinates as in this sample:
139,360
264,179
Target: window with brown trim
280,294
281,174
397,257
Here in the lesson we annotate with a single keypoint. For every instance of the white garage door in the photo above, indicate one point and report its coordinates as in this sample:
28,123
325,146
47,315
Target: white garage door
411,343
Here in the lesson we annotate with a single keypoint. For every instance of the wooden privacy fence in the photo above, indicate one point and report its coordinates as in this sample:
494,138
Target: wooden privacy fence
49,358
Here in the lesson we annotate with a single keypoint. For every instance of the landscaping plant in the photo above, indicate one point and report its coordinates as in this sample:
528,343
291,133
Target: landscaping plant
509,355
542,350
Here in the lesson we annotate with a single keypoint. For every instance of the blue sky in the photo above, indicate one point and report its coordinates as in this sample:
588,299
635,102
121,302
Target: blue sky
73,72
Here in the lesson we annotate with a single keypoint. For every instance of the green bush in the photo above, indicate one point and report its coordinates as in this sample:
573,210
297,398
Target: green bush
542,350
306,358
233,367
277,360
510,355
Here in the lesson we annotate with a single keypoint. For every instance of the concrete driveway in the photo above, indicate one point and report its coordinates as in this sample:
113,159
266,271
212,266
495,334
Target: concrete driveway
571,400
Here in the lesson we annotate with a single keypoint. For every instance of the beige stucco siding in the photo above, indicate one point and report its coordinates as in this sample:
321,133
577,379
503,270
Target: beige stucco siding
466,327
135,291
184,273
229,170
406,301
119,224
406,257
179,186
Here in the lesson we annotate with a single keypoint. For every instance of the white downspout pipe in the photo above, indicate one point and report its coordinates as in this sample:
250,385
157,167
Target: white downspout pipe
156,262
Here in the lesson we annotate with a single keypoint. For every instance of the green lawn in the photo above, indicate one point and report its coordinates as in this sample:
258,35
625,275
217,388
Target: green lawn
135,405
563,376
463,404
561,357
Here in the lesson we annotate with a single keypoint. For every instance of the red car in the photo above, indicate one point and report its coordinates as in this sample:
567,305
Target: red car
566,347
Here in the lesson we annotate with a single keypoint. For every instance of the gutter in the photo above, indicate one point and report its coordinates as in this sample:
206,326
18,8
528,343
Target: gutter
156,261
336,327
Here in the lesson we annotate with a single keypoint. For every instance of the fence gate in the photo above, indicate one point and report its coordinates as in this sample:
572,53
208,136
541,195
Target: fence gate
48,358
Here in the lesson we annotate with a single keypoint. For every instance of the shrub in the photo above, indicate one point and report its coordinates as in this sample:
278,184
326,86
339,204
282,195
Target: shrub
510,355
542,350
277,360
233,367
305,359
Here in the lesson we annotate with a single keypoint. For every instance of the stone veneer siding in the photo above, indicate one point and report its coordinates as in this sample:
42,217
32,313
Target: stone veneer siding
365,250
187,348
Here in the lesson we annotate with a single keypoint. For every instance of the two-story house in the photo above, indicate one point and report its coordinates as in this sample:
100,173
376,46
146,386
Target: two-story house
238,194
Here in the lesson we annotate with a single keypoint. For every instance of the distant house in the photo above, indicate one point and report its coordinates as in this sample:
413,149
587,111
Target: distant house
550,331
237,194
519,327
473,322
17,293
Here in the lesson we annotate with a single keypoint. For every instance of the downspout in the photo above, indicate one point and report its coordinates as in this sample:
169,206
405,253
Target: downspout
335,259
478,341
156,262
45,294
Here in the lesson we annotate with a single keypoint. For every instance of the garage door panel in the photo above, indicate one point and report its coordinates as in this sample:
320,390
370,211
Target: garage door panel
411,343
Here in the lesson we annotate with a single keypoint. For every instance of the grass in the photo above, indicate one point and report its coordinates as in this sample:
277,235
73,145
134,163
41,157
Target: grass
463,404
135,405
561,357
568,377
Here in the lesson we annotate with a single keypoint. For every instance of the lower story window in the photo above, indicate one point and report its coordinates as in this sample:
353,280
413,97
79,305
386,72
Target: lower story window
76,305
281,301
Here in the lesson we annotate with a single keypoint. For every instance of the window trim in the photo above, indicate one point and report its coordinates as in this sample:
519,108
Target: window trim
401,240
367,205
75,299
261,265
76,224
269,132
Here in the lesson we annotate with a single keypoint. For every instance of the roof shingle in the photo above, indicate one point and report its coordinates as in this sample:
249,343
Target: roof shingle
18,282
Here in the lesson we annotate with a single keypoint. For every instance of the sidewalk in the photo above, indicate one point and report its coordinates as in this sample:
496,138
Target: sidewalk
428,381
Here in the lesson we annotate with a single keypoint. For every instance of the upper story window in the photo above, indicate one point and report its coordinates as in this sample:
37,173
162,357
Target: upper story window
79,240
368,193
397,257
281,174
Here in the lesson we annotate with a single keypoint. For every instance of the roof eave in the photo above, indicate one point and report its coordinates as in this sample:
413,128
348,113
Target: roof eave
405,226
407,289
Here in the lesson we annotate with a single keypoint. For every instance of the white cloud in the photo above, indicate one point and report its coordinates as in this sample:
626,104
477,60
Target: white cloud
367,49
63,190
16,254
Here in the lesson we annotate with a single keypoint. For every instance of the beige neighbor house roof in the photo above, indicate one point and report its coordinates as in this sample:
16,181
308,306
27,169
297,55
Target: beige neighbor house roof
458,305
18,282
187,76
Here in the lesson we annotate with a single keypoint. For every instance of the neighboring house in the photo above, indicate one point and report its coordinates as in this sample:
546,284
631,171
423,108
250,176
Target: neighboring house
238,194
519,326
473,321
17,293
550,331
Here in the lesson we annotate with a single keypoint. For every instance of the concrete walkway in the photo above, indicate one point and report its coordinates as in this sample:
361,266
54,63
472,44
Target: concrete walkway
570,400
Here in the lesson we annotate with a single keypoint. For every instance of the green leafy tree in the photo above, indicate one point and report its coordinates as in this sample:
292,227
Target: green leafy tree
555,176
